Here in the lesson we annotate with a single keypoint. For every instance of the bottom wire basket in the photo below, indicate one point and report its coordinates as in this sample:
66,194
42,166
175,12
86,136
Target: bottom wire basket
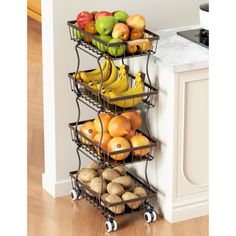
111,210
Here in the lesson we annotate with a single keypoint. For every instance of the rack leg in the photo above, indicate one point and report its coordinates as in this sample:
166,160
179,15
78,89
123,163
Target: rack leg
77,69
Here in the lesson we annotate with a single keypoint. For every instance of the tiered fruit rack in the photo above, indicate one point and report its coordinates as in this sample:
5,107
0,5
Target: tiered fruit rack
100,103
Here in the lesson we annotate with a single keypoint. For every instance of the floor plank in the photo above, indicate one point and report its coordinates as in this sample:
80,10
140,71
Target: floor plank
62,217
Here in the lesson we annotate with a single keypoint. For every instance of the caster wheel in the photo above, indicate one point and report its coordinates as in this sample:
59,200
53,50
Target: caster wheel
150,216
110,225
75,195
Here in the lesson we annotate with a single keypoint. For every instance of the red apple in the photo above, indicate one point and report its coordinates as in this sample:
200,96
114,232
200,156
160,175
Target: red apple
121,31
83,18
136,22
102,13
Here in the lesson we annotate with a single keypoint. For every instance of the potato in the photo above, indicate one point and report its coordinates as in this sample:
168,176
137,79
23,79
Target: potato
113,198
121,170
87,174
103,197
98,185
93,165
85,183
131,186
141,192
115,188
110,174
125,181
128,196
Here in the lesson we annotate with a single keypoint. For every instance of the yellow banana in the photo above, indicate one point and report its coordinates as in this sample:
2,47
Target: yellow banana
93,85
96,77
113,76
94,72
77,76
121,84
137,89
105,93
97,70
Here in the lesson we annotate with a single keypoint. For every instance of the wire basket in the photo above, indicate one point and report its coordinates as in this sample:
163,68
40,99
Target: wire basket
92,98
111,209
145,45
95,152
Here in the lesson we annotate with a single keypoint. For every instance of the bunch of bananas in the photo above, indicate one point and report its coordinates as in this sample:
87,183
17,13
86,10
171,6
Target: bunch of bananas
137,89
115,83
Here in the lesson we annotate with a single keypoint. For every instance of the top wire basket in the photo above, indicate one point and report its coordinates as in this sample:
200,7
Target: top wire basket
97,47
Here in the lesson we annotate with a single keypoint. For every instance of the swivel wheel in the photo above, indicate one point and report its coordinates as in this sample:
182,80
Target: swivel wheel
150,216
75,195
110,225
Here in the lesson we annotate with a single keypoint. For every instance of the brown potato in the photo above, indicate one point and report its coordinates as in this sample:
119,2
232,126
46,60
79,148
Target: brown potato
115,188
114,199
104,196
125,181
98,185
93,165
120,169
128,196
110,174
87,174
131,186
141,192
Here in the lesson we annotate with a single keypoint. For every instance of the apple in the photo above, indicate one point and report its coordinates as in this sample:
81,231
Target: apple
116,51
144,47
121,16
83,18
104,25
115,20
121,31
90,27
94,13
105,38
95,42
87,39
136,34
132,49
102,13
77,34
136,22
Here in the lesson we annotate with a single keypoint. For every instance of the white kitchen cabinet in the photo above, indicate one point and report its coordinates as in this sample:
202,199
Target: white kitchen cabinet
190,159
180,122
182,168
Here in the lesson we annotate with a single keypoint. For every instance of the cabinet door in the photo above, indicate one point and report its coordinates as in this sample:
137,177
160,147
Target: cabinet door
191,166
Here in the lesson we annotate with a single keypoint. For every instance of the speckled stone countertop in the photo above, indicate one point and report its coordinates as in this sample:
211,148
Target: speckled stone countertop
178,54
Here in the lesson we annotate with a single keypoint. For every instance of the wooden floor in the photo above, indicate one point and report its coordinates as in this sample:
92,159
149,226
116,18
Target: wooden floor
62,217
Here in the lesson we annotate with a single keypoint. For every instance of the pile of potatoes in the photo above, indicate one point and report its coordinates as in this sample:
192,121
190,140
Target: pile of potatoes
114,185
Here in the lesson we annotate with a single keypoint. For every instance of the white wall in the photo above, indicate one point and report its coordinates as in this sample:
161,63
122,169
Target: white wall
59,58
159,14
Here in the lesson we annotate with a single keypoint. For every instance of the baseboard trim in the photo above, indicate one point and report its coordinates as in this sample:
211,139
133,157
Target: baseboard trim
56,188
187,212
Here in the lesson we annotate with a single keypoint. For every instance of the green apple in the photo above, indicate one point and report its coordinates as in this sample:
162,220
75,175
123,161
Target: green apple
78,34
104,24
95,42
115,20
116,51
121,16
105,38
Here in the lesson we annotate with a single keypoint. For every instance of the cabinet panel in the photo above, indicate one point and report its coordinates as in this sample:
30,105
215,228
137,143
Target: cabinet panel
195,153
192,144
